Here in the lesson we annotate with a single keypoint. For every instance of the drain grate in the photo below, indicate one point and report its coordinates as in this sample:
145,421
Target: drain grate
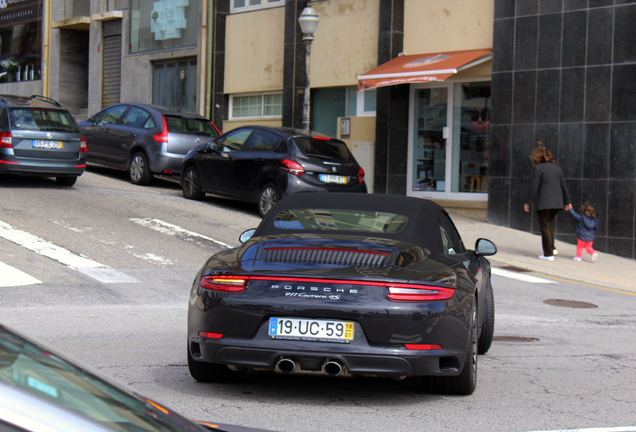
570,304
514,339
515,269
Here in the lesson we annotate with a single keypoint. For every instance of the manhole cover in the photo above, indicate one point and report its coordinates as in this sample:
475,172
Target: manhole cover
515,269
570,304
514,339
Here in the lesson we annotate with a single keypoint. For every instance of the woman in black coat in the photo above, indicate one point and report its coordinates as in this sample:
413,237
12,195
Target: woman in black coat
550,195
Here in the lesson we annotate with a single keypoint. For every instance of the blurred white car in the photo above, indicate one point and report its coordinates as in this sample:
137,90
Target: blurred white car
41,390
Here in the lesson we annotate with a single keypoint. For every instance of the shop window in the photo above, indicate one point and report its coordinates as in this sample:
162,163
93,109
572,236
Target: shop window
164,24
20,55
451,130
471,137
430,135
244,5
258,105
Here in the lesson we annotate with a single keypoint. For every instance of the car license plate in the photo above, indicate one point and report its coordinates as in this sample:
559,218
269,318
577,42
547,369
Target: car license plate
311,330
331,178
45,144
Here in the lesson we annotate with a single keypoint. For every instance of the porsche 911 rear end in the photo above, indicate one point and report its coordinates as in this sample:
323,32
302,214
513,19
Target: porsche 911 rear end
347,284
325,307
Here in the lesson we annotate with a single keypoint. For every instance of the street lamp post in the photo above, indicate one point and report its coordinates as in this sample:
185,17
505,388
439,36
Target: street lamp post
308,21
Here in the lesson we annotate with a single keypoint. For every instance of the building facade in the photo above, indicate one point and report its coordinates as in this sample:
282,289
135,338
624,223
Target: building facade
438,100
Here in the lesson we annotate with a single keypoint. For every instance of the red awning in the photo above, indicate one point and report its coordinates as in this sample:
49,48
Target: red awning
422,68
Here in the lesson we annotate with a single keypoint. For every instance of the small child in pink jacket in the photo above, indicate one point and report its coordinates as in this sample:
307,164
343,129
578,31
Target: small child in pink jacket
585,228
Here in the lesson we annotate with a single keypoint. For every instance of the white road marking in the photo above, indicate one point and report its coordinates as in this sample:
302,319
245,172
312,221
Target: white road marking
11,277
84,265
601,429
520,276
174,230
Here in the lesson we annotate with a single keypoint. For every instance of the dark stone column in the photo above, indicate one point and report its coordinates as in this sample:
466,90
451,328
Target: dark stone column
218,100
391,130
294,74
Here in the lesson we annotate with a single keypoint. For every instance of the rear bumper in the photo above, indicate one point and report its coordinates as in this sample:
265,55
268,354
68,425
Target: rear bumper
368,361
167,163
43,168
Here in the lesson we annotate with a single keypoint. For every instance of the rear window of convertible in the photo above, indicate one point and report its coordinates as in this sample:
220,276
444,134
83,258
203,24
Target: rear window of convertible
340,220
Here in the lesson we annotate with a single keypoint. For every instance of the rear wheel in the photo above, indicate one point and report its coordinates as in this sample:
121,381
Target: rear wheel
138,169
211,372
191,183
466,382
66,181
267,198
488,329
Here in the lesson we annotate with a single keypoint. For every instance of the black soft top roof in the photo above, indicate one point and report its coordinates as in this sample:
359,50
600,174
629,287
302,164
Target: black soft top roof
422,228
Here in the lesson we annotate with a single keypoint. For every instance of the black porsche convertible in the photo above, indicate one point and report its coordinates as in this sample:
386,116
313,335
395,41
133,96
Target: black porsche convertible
346,284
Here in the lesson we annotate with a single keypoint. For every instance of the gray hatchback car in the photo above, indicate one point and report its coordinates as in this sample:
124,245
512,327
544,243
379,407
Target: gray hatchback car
39,137
144,139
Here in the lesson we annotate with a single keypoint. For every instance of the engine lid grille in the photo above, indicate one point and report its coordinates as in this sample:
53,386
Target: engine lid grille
333,256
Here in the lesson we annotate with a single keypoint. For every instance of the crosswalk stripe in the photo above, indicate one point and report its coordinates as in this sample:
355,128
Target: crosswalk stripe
84,265
520,276
11,277
174,230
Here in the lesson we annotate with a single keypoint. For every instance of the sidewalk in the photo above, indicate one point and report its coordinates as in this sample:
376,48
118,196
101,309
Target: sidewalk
520,249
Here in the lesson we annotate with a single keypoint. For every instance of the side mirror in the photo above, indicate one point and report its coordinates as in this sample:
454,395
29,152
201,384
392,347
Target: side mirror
485,247
246,235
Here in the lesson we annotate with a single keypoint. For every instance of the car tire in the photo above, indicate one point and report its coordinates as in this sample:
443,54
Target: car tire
267,198
488,328
191,183
466,382
212,372
66,181
138,169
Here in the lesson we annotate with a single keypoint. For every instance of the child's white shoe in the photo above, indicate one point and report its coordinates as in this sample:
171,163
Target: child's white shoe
594,257
576,259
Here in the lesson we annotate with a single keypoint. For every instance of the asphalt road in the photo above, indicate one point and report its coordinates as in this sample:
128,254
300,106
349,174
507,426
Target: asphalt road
115,262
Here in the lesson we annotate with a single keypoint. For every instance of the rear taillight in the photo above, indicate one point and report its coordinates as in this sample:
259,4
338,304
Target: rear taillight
398,292
83,145
163,136
210,335
361,175
292,167
5,140
418,293
224,283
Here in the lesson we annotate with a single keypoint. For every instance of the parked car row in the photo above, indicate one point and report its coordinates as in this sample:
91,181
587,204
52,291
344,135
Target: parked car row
254,164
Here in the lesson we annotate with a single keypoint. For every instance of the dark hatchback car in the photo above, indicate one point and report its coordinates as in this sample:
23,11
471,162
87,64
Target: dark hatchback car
144,139
39,137
264,164
346,284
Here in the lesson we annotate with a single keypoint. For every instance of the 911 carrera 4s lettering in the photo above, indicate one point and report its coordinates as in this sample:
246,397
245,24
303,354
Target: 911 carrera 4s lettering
302,288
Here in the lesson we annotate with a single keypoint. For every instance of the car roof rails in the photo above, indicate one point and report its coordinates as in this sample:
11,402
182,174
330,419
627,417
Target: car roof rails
46,99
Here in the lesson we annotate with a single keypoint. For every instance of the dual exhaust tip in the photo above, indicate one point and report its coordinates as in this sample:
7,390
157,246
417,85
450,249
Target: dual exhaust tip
288,365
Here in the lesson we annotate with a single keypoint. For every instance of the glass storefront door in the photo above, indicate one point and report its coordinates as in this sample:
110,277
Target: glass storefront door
429,147
471,137
450,140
